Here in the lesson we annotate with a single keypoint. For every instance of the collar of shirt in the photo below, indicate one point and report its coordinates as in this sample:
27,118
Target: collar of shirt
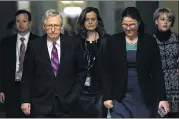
26,36
50,43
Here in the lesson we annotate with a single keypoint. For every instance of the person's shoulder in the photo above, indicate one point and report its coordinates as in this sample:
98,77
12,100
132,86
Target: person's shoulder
147,37
77,36
8,39
107,35
116,36
38,38
37,41
34,36
119,34
71,39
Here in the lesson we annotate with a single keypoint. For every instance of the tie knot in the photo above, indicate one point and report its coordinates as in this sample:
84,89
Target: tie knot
22,39
54,43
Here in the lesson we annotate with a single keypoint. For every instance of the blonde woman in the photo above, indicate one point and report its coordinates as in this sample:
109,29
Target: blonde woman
167,41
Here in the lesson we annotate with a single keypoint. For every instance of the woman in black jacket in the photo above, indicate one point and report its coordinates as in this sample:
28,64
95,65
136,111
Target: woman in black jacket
93,40
133,77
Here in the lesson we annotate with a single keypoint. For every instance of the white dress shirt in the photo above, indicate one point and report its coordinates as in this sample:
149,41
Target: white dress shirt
18,44
50,46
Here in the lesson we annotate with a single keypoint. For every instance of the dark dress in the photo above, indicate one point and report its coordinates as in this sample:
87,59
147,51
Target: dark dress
132,106
90,103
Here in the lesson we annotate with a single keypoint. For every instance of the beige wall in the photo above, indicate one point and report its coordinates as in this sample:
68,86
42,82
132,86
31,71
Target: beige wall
174,6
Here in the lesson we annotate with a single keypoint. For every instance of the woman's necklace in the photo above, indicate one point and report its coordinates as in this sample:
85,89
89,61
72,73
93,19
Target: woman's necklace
132,43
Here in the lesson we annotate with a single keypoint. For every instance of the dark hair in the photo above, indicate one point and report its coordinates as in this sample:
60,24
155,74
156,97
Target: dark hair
81,30
133,13
24,12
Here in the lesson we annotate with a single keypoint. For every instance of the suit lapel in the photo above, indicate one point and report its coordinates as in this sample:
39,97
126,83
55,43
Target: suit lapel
46,57
62,49
14,50
122,46
140,39
31,37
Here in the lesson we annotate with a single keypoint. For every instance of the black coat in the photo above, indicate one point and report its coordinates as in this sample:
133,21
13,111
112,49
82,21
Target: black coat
149,70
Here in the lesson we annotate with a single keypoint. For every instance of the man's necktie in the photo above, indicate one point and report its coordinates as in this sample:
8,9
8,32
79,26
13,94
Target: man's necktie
54,59
21,54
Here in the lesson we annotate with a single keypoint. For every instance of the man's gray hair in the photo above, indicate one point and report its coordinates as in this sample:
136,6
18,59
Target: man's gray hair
51,13
170,14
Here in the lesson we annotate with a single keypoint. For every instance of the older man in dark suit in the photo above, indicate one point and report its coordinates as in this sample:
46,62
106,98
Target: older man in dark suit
12,52
53,70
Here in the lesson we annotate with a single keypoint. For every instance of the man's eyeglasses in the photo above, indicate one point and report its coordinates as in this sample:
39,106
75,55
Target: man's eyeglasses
132,25
50,26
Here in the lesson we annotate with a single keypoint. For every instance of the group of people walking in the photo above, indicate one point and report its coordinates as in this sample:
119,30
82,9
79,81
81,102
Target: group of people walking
131,74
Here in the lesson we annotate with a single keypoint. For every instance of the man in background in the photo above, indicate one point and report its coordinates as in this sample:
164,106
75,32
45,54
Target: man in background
12,52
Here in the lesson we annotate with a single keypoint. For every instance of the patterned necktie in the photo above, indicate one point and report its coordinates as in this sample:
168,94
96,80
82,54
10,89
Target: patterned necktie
54,59
21,54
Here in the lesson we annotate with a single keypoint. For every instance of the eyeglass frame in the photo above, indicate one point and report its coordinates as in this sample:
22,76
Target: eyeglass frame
50,26
129,25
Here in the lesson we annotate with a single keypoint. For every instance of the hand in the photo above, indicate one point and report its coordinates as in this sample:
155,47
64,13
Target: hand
2,97
108,104
26,107
165,105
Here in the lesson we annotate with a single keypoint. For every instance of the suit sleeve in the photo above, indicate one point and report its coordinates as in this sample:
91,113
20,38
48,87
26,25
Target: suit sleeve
157,72
1,71
2,56
80,68
27,76
106,72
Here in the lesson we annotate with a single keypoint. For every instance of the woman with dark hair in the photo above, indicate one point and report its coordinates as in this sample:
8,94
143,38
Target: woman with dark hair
133,78
93,39
168,44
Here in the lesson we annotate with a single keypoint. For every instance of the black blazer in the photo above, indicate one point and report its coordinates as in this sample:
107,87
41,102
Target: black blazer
8,64
39,78
149,70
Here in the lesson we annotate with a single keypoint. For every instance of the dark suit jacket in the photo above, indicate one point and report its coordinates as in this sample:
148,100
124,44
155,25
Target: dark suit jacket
38,74
149,70
8,64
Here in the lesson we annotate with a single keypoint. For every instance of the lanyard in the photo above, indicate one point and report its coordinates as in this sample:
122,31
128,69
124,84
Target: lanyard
90,59
88,56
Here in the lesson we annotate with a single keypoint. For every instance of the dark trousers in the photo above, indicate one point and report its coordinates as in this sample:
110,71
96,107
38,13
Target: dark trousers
13,104
56,112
